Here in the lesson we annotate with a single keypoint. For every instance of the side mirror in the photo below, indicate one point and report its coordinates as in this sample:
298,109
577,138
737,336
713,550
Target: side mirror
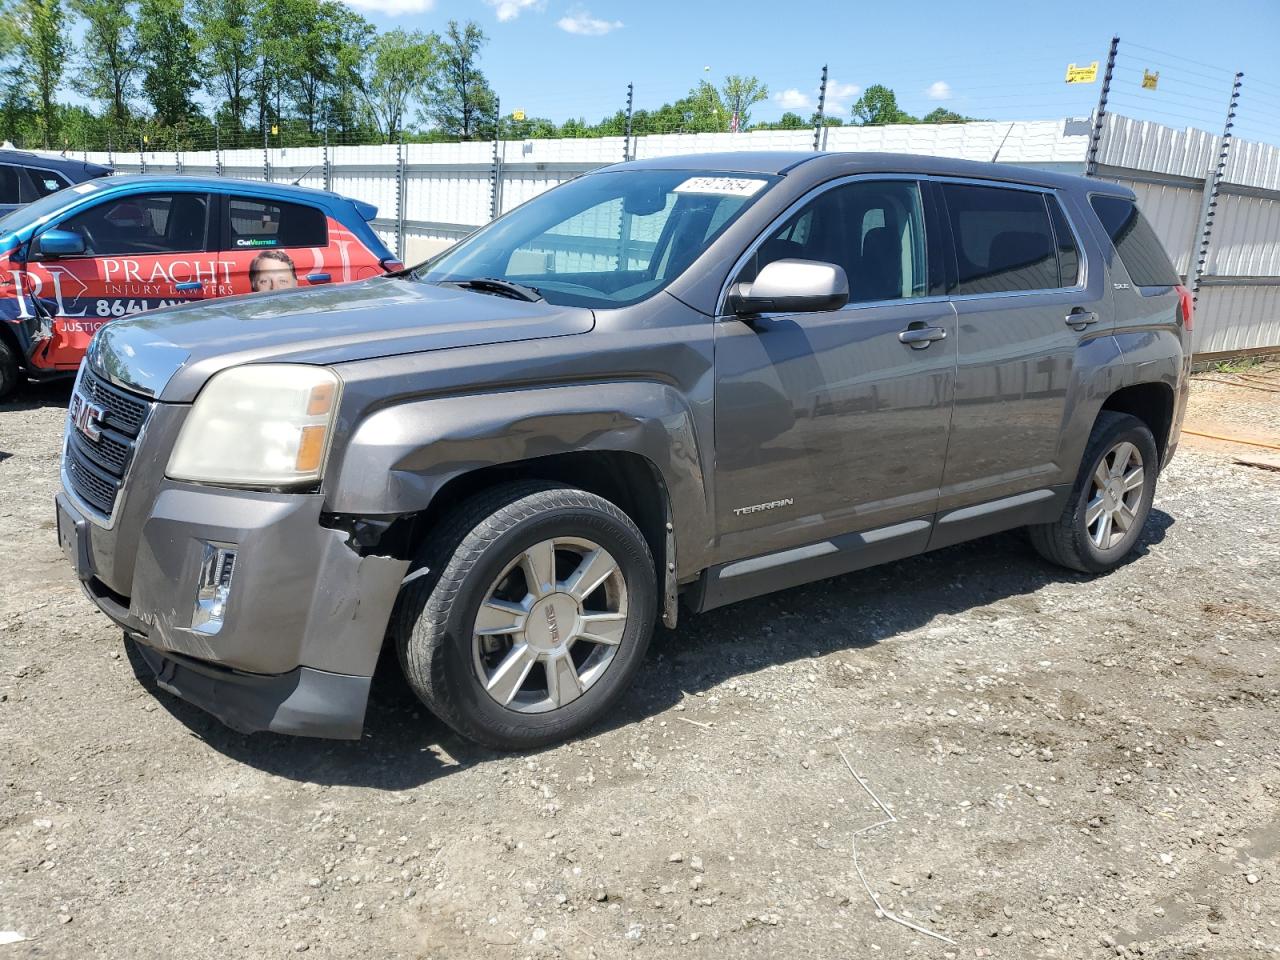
58,243
791,286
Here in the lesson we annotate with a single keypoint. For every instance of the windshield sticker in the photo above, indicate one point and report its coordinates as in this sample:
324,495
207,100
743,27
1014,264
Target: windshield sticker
725,186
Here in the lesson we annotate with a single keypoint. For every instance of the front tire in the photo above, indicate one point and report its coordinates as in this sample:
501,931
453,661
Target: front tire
11,375
534,617
1110,500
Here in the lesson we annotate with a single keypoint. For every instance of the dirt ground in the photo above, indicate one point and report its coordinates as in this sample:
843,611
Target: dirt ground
1078,767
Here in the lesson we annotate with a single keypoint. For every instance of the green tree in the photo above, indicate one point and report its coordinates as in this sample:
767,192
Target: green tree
166,50
227,49
462,103
740,94
943,115
109,56
397,65
41,40
879,105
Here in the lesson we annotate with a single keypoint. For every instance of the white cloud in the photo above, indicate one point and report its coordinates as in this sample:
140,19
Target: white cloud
793,99
508,9
939,90
392,8
842,91
581,22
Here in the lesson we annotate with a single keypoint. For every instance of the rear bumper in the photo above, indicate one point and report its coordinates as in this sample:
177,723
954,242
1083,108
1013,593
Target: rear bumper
302,702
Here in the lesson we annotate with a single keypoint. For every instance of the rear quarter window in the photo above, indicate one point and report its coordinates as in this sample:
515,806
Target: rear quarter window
1139,247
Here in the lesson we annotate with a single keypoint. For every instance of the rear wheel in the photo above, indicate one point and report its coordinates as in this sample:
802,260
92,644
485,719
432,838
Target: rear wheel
1109,503
11,376
535,619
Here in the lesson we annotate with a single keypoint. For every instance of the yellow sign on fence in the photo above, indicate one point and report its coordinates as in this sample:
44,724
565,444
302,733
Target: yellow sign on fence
517,114
1082,74
1149,79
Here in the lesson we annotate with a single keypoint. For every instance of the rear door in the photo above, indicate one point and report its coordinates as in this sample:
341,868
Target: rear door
829,422
142,251
1026,305
275,244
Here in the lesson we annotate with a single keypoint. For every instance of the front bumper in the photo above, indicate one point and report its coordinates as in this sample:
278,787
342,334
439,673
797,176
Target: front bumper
303,625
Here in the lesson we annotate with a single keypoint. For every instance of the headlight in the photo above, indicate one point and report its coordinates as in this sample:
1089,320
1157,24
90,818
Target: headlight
260,425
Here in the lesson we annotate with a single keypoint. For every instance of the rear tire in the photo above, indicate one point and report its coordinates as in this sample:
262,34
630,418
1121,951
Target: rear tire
1110,500
11,375
534,618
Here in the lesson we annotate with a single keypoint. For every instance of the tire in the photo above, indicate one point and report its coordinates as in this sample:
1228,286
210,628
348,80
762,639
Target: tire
1077,539
11,375
528,670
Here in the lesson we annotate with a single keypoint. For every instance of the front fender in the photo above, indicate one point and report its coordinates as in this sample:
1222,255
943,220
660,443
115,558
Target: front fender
399,457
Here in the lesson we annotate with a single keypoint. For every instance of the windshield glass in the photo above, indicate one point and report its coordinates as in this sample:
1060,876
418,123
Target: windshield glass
47,205
603,240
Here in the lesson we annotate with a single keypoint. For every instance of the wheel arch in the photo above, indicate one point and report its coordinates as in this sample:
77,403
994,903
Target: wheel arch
1152,402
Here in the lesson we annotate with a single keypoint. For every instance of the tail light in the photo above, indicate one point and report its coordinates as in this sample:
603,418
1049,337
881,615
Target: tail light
1186,305
391,264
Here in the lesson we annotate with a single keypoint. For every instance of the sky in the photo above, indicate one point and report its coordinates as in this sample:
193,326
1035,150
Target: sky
992,59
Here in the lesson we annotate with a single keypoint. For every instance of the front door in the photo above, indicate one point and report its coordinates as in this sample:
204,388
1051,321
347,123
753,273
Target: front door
829,422
1018,285
142,251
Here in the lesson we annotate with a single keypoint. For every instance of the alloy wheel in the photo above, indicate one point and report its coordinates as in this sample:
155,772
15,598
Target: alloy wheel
1116,491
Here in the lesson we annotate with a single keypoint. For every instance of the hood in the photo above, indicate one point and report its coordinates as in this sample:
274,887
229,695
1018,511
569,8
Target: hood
170,353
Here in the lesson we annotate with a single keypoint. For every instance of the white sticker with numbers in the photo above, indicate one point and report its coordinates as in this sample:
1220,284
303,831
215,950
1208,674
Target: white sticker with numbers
724,186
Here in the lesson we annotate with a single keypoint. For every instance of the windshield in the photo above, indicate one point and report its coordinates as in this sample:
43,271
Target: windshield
46,206
603,240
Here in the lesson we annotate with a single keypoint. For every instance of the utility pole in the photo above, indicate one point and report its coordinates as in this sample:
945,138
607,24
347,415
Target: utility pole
1095,138
820,116
1213,186
626,141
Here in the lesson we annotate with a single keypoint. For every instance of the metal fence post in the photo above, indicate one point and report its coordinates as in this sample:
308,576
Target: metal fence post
111,157
495,178
1212,187
400,204
1095,137
327,181
626,140
177,155
266,157
820,116
142,157
217,151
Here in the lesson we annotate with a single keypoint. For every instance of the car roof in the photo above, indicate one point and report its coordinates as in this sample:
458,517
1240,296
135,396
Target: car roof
825,165
223,185
51,162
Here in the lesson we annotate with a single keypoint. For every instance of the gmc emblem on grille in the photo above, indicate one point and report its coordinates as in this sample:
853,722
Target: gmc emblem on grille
86,416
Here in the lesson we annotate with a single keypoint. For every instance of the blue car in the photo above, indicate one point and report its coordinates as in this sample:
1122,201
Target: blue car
26,177
113,247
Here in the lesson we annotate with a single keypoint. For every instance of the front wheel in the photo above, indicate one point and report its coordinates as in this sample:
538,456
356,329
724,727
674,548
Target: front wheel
534,617
10,370
1110,500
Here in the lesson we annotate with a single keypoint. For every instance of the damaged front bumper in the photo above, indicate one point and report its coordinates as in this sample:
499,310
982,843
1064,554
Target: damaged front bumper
283,636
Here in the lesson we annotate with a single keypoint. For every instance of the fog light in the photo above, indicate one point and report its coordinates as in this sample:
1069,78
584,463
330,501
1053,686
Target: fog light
213,587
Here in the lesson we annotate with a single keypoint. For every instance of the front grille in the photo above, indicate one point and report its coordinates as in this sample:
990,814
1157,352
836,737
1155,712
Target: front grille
96,469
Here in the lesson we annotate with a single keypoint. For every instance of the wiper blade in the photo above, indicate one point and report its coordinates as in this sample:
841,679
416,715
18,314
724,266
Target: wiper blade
503,288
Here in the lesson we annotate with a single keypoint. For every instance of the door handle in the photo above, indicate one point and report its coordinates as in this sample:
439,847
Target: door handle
918,336
1081,318
188,285
318,278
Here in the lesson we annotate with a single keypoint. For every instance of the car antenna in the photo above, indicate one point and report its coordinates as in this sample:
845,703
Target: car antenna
303,174
1002,142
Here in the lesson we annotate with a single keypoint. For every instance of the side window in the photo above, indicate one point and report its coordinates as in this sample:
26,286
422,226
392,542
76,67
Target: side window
872,228
10,181
46,181
1003,240
143,224
257,222
1135,241
1068,253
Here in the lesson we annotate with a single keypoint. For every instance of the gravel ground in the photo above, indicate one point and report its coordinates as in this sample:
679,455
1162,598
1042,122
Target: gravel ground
1077,767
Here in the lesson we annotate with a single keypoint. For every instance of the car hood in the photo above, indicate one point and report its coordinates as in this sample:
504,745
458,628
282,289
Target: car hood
170,353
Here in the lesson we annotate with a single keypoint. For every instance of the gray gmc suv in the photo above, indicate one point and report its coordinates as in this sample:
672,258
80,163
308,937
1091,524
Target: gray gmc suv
699,378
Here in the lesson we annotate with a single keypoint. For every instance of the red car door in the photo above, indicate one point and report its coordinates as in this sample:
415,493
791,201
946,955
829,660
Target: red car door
141,251
275,244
